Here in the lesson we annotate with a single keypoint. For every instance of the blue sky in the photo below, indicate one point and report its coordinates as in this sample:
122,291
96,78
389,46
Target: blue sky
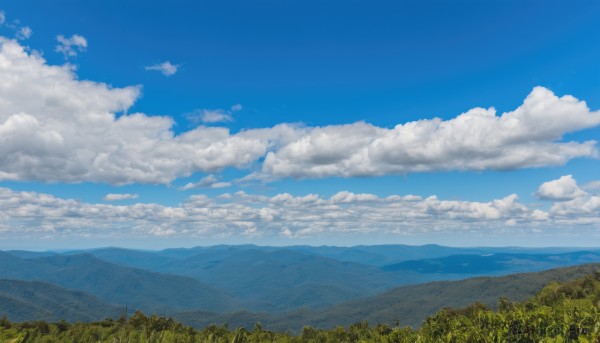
157,124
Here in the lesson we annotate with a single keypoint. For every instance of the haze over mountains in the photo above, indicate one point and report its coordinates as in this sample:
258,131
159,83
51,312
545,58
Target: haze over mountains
282,286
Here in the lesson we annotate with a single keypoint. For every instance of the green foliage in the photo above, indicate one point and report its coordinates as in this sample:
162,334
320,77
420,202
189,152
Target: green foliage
560,312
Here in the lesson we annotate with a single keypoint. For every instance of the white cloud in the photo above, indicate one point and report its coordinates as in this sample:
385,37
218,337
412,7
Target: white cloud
215,116
211,116
55,127
572,204
162,232
209,181
69,46
21,32
167,68
24,33
475,140
565,188
31,214
117,196
579,208
348,197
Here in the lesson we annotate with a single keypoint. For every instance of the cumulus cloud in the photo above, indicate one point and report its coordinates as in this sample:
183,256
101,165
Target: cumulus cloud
55,127
24,33
117,196
581,209
565,188
166,68
475,140
31,214
69,46
572,205
2,18
209,181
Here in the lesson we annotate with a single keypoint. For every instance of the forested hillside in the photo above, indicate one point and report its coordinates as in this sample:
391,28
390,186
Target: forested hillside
26,300
560,312
117,284
275,280
282,287
409,305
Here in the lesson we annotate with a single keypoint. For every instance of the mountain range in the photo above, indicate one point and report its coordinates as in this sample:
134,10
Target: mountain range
278,286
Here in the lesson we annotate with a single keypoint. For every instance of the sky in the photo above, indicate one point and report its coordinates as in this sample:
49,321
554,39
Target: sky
152,124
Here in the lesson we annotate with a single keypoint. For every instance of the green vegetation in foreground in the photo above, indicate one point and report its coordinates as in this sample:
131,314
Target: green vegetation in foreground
567,312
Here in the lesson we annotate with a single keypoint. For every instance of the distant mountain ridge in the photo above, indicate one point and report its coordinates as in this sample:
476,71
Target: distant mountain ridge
374,255
282,281
494,263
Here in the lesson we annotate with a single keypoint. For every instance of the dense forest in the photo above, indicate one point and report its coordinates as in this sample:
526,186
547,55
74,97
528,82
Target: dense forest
560,312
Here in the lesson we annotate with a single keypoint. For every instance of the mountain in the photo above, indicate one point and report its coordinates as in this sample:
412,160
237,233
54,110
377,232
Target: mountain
412,304
494,263
150,291
269,279
155,259
375,255
276,279
408,304
142,259
560,312
34,300
30,254
285,279
381,255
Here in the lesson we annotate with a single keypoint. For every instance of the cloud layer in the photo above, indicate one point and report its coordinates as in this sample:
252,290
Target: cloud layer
54,127
34,215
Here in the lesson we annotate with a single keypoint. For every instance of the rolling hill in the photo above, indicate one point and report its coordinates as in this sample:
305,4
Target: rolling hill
149,291
34,300
410,305
249,278
285,279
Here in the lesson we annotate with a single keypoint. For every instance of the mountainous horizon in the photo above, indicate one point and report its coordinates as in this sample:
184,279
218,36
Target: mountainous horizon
237,282
86,300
